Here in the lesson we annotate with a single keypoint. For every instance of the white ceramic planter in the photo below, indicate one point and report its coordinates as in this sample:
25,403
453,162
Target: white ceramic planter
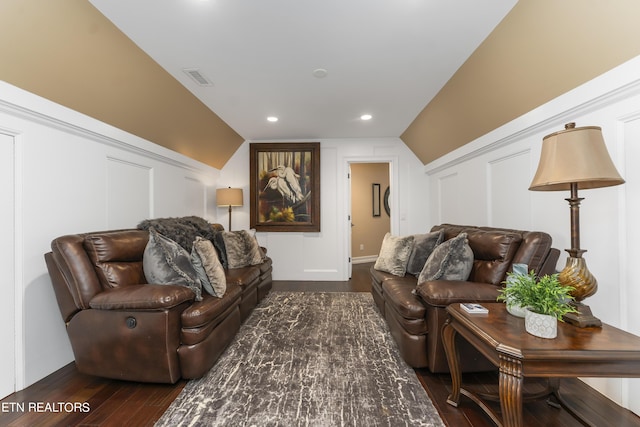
515,309
541,325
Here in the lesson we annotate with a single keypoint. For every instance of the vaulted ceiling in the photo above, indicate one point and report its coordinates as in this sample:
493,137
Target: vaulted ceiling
383,58
435,73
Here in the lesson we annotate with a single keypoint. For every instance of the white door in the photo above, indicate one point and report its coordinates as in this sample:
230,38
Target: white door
7,285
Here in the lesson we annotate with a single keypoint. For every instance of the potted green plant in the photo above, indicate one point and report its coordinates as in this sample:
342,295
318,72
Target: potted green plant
545,299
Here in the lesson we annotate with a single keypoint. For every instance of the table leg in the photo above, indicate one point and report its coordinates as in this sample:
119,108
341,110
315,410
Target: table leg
510,385
562,403
449,342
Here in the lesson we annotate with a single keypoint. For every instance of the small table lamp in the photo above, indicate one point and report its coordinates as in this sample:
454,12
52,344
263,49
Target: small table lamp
572,159
229,197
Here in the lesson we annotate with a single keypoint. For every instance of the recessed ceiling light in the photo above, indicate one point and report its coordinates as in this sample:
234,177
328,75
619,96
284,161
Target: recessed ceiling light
272,119
320,73
366,117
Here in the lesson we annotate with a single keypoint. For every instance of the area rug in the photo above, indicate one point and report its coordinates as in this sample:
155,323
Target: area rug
307,359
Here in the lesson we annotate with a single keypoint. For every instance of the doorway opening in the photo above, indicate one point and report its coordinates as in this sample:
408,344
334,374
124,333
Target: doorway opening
370,212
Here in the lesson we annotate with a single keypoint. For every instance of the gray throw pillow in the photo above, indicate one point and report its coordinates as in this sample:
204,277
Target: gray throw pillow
394,254
167,263
451,260
242,249
208,267
423,245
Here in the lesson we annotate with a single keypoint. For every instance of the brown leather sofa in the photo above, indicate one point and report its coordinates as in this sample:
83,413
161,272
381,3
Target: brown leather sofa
416,319
122,327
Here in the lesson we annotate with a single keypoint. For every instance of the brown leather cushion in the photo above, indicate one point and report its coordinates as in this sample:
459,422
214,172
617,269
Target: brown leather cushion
265,267
399,294
202,312
142,297
380,276
117,256
441,293
243,276
493,252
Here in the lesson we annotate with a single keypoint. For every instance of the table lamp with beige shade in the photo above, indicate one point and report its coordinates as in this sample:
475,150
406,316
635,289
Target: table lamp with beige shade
229,197
573,159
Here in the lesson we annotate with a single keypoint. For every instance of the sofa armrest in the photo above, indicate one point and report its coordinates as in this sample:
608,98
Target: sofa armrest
142,297
444,292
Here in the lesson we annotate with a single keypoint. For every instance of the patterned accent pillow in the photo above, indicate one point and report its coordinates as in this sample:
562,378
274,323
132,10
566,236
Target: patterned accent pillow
242,249
451,260
167,263
394,254
210,271
423,246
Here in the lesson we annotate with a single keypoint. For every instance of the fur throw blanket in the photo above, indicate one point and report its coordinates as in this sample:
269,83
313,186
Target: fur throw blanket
183,230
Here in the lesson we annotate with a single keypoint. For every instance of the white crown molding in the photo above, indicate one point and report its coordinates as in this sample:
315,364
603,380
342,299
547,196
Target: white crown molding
28,106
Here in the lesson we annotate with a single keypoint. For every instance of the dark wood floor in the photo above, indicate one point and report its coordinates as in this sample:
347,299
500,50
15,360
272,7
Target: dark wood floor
118,403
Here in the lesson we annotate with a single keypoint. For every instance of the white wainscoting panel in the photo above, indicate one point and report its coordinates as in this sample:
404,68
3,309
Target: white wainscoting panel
508,205
194,196
449,202
128,193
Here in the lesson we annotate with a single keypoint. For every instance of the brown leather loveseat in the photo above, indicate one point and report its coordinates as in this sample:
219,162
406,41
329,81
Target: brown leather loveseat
416,318
122,327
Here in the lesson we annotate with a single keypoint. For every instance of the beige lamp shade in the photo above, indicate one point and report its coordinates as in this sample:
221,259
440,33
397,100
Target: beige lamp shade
575,155
229,196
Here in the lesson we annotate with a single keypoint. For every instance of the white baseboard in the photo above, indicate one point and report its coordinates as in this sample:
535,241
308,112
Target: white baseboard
364,259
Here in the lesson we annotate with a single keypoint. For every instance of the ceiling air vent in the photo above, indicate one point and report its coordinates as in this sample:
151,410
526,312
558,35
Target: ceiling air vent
197,76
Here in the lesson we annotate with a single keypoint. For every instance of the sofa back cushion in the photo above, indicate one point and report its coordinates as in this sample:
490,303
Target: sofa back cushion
496,249
117,256
493,253
534,250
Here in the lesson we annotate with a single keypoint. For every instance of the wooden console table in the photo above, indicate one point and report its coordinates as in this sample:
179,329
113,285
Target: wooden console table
501,337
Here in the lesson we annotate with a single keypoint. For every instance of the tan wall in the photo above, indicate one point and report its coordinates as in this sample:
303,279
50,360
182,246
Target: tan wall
368,230
540,50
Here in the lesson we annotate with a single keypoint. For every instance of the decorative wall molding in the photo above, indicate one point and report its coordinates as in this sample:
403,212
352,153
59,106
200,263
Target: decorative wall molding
169,157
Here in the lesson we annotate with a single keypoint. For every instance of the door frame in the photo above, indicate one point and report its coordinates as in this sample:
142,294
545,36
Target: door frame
394,204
